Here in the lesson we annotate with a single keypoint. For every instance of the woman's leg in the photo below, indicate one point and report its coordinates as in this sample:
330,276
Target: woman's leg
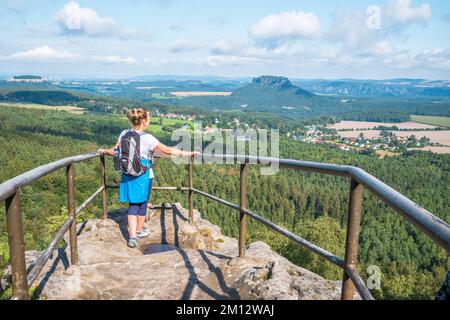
133,219
142,213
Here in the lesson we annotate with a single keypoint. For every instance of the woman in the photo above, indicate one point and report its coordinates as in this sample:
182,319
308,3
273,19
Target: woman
136,190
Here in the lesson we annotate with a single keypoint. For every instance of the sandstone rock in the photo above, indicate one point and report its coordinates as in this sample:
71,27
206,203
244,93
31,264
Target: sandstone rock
178,260
30,259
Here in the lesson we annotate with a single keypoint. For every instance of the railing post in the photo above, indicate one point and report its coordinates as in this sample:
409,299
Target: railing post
71,211
351,244
16,247
191,192
103,173
243,205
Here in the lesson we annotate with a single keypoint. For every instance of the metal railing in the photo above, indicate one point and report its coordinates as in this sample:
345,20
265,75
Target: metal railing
10,192
435,228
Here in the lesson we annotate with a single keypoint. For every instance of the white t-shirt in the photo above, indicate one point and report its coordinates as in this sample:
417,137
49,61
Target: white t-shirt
148,144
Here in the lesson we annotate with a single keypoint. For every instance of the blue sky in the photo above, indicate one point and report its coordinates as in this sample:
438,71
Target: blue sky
302,39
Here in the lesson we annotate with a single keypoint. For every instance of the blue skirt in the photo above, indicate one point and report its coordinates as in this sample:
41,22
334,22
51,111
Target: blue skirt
135,189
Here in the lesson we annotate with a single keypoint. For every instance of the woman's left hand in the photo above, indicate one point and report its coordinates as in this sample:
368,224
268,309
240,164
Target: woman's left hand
101,151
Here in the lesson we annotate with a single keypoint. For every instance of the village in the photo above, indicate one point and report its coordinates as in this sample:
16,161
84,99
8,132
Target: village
386,143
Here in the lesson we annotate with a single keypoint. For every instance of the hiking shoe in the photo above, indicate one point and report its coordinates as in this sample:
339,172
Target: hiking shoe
143,234
132,243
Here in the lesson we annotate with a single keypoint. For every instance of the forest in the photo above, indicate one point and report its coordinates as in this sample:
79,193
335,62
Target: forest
311,205
291,104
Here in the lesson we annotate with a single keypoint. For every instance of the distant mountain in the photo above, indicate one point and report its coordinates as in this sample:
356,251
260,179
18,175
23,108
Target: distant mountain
346,99
408,88
272,87
377,100
273,94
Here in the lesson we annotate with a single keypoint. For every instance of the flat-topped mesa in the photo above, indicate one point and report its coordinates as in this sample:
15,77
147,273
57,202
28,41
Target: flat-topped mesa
178,261
273,88
272,81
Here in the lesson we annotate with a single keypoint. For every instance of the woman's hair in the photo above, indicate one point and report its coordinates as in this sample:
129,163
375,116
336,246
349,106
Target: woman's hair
137,116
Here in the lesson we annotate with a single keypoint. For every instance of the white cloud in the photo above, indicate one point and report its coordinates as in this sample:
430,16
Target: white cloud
399,60
228,46
44,53
382,48
378,49
216,61
349,28
115,60
235,52
437,58
400,11
183,45
75,20
286,26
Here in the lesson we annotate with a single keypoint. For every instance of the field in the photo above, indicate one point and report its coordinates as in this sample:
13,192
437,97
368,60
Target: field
71,109
198,93
167,121
437,121
359,125
441,150
436,136
163,97
442,137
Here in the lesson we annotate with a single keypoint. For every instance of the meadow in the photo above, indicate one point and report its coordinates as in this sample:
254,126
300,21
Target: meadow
436,121
71,109
198,93
441,137
360,125
353,129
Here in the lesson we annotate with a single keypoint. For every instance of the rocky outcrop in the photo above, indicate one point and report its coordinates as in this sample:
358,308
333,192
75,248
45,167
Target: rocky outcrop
272,81
178,261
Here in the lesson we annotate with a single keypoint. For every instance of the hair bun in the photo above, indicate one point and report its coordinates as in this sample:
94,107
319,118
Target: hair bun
137,116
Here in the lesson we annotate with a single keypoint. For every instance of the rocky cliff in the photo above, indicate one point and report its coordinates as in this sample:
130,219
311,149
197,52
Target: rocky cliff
178,261
272,81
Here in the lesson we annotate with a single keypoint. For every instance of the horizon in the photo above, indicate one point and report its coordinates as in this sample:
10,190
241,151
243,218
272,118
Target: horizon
367,39
188,77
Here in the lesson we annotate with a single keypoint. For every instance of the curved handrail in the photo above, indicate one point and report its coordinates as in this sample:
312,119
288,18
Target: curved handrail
434,227
8,187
